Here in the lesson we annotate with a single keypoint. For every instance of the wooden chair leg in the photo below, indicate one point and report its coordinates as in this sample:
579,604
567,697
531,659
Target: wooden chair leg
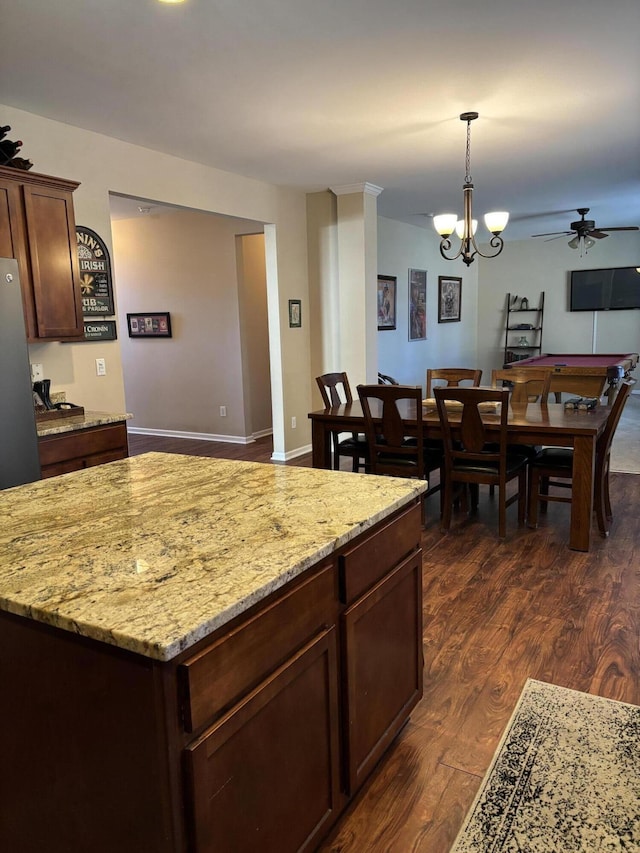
607,496
474,491
599,498
336,454
543,489
447,505
502,514
534,490
522,496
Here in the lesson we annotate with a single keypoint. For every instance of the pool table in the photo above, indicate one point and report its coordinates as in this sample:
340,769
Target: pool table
588,372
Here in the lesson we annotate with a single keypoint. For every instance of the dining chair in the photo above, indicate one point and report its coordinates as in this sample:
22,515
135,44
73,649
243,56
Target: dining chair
452,376
526,384
335,389
553,467
472,456
396,447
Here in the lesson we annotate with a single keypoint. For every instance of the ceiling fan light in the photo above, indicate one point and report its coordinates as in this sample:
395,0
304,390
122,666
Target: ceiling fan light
573,244
588,242
460,227
496,221
445,223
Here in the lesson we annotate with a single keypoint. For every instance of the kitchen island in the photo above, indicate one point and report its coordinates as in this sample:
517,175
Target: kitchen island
201,655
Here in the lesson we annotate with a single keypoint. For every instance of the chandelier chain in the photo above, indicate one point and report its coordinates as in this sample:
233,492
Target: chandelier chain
467,161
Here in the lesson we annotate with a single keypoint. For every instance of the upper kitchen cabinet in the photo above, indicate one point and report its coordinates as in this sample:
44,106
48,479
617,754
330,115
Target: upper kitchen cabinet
37,228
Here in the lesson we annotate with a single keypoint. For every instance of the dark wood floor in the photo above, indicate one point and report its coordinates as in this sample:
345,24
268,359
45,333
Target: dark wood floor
495,614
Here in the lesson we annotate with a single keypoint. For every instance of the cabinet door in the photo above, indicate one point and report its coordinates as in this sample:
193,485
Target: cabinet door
266,776
384,662
55,275
13,244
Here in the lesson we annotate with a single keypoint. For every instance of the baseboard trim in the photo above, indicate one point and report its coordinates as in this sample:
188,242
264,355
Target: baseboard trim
291,454
199,436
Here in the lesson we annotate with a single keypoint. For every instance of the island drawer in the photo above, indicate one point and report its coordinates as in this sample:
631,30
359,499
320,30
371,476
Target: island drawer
216,677
363,566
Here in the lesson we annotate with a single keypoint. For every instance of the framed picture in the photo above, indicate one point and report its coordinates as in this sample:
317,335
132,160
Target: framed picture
417,305
449,299
153,324
386,302
295,313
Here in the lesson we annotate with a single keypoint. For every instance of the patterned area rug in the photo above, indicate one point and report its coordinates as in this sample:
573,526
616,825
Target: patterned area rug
565,778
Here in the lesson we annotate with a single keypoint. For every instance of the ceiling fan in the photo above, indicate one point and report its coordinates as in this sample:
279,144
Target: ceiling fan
585,231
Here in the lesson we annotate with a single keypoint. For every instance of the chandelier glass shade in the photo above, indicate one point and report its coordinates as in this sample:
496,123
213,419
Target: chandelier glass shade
446,223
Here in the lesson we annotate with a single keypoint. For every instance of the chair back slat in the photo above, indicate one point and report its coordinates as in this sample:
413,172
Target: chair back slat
452,376
334,388
527,384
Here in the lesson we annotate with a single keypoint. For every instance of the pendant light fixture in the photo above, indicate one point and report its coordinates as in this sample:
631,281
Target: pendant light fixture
446,223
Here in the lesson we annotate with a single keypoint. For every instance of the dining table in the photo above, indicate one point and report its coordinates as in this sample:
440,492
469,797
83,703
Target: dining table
548,424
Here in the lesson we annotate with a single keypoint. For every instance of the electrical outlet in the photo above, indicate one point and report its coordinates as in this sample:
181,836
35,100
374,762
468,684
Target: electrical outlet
101,367
294,423
37,372
223,411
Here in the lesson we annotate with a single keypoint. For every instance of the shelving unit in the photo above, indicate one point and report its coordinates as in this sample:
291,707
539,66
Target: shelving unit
517,329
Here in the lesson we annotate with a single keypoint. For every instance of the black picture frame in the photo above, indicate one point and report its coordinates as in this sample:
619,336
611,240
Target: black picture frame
449,299
295,313
417,305
149,324
387,289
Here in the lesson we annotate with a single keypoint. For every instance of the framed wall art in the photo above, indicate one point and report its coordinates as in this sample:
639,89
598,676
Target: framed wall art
295,313
386,302
417,305
152,324
96,283
449,299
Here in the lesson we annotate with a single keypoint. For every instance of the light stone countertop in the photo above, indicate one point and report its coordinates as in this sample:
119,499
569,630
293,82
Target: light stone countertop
154,552
73,423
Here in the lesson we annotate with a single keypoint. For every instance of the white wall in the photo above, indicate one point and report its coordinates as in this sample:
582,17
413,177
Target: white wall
400,248
528,267
254,333
185,263
104,165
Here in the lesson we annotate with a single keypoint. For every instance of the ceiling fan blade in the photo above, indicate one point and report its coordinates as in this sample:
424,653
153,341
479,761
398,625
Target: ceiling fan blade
597,233
624,228
553,234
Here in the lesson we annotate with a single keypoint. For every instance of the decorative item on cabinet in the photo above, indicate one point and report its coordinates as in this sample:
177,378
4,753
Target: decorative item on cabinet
9,149
37,228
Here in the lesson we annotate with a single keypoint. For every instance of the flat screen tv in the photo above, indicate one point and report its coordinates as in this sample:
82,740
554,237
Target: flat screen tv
605,290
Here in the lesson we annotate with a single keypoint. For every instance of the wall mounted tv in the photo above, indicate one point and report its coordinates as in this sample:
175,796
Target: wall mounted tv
605,290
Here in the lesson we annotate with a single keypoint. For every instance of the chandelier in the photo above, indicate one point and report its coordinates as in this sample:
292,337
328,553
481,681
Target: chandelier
446,223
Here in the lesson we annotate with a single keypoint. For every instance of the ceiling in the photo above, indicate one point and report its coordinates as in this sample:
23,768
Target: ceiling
318,94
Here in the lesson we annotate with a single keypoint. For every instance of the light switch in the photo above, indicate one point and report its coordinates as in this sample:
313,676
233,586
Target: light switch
101,367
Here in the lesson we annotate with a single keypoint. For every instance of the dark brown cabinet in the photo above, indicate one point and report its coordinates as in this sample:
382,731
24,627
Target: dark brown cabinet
72,451
37,228
266,776
254,739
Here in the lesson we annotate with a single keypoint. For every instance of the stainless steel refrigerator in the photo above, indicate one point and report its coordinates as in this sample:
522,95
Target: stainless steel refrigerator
19,461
